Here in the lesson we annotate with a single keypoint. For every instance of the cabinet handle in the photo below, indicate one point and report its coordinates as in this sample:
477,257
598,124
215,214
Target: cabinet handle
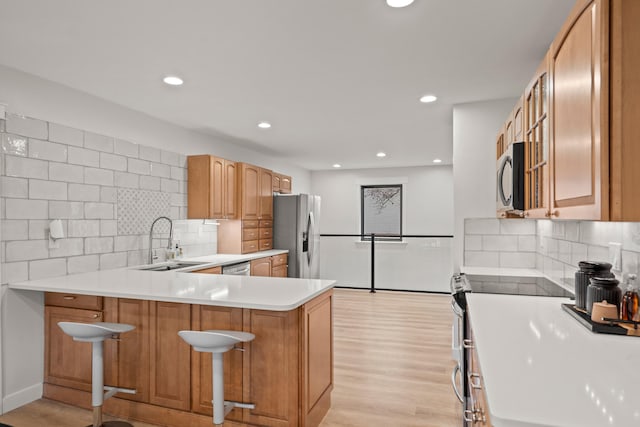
95,316
474,381
467,343
69,297
469,416
549,214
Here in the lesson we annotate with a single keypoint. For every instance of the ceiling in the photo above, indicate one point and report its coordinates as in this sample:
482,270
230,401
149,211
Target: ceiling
339,80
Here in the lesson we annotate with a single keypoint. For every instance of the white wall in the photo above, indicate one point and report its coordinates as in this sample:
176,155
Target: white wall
475,127
32,96
428,209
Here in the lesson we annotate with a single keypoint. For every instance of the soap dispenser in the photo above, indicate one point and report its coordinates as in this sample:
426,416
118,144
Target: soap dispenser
629,305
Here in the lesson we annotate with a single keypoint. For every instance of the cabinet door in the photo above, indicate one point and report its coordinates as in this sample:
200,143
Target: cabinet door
279,271
67,362
224,318
218,187
266,194
199,191
170,356
130,355
230,190
285,184
536,139
579,156
210,270
261,267
271,368
276,182
250,191
518,121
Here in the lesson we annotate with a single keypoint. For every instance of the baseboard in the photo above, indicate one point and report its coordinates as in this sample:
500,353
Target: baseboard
21,398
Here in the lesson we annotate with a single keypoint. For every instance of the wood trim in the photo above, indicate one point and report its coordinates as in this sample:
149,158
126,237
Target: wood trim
86,302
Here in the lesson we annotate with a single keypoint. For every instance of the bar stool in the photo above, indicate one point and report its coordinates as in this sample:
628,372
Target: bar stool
217,343
96,333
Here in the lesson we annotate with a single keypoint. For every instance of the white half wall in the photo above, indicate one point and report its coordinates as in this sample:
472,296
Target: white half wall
416,264
475,127
31,96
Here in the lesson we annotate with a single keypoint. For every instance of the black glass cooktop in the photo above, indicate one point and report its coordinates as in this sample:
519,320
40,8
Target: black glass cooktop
516,285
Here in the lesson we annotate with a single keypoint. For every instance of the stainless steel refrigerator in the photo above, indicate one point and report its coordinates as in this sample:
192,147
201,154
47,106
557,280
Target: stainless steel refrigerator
296,227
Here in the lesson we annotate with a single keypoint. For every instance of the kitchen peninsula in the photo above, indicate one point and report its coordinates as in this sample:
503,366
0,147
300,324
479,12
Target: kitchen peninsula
287,371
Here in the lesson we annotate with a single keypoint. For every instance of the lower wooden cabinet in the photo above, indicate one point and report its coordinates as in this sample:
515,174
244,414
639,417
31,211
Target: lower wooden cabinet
287,371
261,267
170,383
67,362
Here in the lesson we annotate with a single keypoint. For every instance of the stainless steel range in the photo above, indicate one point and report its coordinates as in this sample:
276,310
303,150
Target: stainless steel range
462,284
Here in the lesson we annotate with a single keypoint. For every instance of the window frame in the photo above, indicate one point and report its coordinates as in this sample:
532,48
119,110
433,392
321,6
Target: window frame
381,237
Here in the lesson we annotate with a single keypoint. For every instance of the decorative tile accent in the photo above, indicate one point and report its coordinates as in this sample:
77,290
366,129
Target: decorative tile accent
138,208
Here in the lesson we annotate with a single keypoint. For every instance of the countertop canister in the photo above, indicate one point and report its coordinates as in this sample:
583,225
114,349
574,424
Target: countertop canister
587,270
601,289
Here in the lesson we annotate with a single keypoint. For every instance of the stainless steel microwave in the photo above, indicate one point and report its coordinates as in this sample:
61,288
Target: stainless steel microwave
510,179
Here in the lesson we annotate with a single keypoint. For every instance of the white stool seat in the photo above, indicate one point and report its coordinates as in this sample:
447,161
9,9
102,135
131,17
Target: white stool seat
90,332
215,341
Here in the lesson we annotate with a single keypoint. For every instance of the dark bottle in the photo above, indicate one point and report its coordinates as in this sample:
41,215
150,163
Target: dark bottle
588,269
629,304
601,289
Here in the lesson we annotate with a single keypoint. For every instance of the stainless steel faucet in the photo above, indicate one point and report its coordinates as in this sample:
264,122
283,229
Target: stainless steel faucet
151,235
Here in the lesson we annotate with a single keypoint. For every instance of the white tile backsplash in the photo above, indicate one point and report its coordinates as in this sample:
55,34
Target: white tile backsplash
46,150
66,135
51,171
518,226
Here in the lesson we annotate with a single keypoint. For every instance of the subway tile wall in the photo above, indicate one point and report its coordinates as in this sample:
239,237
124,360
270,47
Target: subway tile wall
50,171
557,248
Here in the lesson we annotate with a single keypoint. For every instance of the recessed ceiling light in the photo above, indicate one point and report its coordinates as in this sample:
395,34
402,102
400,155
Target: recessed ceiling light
173,80
437,161
428,98
381,154
337,165
264,125
399,3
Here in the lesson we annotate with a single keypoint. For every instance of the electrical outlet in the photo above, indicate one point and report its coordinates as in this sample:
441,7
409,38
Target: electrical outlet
615,255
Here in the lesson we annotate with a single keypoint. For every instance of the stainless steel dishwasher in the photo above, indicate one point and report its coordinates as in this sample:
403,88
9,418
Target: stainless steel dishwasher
239,269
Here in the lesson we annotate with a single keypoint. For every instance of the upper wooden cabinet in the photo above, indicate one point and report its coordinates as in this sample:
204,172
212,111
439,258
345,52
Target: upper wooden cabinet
518,121
256,192
281,183
501,143
536,138
211,187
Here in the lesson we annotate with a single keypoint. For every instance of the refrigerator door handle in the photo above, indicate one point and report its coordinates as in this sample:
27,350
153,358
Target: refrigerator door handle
310,236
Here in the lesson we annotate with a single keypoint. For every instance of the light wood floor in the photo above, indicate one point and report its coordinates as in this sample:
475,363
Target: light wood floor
392,365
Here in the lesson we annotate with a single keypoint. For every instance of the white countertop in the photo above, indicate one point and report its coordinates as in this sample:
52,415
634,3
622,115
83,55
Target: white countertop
226,259
501,271
542,368
265,293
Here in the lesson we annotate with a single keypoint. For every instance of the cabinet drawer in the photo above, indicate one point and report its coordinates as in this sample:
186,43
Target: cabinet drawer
249,246
266,223
266,244
250,234
88,302
250,223
266,233
277,260
210,270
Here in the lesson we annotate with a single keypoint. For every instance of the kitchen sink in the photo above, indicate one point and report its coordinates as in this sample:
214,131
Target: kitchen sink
170,266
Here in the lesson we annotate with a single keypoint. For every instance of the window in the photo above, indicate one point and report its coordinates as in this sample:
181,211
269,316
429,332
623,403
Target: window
381,211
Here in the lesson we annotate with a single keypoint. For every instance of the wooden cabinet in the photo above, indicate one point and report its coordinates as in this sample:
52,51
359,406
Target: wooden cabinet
211,187
261,267
129,355
279,267
286,371
67,362
211,270
256,192
281,183
579,107
478,409
266,195
170,373
501,143
518,121
536,139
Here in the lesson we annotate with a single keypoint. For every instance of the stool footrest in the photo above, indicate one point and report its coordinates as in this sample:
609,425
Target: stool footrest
229,405
110,391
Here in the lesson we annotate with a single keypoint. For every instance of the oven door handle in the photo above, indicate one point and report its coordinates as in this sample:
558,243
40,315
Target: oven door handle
456,369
